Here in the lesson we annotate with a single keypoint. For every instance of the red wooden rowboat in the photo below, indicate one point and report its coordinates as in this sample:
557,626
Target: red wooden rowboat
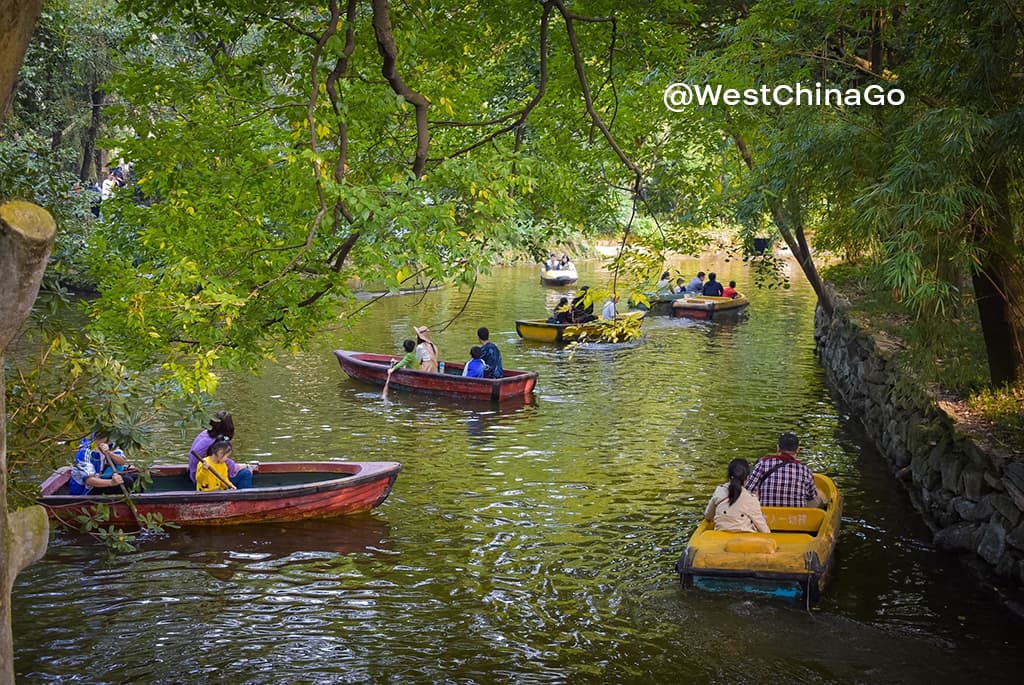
373,368
283,491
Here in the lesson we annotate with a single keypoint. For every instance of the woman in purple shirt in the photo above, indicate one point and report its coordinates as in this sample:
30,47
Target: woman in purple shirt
221,426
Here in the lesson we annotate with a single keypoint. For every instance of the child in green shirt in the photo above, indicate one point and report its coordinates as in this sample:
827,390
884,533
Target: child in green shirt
409,360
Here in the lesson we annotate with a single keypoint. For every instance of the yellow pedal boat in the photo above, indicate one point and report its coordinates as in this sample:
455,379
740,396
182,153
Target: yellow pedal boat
793,561
540,330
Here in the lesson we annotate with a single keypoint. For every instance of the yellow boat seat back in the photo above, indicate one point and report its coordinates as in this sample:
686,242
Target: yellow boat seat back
794,519
749,544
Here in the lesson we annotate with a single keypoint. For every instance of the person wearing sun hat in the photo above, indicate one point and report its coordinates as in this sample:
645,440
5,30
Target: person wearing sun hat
426,350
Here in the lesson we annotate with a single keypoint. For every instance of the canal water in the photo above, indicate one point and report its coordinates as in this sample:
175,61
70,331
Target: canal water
524,544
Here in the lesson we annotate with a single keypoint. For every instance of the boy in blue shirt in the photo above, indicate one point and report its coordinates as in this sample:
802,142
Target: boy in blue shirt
474,367
99,467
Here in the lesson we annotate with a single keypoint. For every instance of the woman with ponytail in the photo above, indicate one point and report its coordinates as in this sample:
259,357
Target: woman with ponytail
732,508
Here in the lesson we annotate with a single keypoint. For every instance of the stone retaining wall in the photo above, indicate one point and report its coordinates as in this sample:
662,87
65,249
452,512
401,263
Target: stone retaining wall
971,497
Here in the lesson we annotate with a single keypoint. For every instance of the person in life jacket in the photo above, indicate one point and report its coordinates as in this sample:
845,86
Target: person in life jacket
100,468
222,425
212,471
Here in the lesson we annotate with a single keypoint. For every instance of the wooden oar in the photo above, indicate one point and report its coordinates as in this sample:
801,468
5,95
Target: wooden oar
131,504
106,458
384,395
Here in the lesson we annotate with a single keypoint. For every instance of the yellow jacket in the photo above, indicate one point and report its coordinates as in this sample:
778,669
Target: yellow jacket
206,480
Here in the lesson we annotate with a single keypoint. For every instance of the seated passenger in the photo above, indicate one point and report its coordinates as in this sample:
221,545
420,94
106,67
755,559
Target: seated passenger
562,312
221,426
697,284
779,480
212,470
732,508
99,468
609,313
490,354
409,361
712,288
474,368
426,350
582,309
730,291
665,282
680,287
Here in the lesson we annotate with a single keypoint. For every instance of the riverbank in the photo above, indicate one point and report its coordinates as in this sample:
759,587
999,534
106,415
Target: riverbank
963,471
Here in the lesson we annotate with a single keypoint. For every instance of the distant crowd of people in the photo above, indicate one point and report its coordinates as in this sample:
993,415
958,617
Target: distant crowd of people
100,191
697,286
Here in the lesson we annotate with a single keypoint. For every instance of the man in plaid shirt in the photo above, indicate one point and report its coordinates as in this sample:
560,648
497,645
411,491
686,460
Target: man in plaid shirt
779,480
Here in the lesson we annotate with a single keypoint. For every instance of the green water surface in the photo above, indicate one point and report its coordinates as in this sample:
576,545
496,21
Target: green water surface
532,543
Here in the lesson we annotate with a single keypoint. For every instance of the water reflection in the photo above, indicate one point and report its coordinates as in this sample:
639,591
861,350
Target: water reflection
362,534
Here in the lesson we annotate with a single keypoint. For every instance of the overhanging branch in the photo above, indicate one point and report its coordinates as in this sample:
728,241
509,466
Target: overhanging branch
389,58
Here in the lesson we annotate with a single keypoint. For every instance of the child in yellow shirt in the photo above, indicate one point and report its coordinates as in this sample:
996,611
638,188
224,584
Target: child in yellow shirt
212,472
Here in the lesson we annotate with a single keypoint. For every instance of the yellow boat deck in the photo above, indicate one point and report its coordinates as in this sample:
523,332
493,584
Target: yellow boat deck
799,548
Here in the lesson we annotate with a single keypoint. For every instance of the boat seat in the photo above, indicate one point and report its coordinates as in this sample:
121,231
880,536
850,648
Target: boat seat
751,545
794,519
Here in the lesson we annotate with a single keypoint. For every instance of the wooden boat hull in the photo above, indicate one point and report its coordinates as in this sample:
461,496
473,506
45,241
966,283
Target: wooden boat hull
709,308
373,368
558,276
795,560
283,491
539,330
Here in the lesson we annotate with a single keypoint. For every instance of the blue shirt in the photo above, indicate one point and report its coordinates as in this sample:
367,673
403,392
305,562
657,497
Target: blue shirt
474,369
491,356
88,463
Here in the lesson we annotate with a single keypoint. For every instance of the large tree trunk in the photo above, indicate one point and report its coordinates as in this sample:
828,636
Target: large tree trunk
792,232
998,279
26,236
17,20
90,170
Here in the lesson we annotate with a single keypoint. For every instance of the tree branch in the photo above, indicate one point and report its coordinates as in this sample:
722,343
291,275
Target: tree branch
341,164
389,57
332,28
445,324
589,101
542,85
795,239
